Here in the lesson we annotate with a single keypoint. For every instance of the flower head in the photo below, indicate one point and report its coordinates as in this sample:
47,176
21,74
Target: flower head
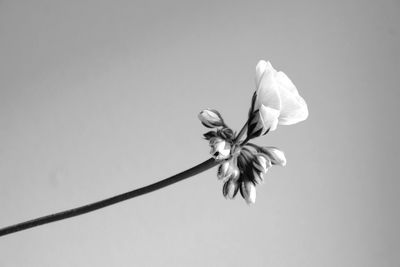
244,165
276,101
211,118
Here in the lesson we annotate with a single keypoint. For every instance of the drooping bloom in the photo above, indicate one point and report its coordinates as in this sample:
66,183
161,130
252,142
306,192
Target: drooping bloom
276,101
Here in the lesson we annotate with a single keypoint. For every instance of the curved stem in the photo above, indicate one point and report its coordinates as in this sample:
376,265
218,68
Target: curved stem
109,201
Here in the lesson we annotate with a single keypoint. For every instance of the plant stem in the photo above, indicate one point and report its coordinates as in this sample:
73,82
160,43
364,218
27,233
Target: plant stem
240,134
245,141
109,201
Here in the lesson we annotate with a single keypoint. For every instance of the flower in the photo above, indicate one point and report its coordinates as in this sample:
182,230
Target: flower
276,101
220,148
243,165
211,118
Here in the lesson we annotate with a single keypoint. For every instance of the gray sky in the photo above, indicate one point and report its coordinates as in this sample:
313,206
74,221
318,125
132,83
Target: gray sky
100,97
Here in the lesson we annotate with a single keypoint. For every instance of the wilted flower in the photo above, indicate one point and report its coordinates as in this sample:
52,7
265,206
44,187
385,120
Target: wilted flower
244,165
211,118
276,101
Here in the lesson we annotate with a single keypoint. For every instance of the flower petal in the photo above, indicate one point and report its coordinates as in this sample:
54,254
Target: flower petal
269,117
267,93
262,67
294,108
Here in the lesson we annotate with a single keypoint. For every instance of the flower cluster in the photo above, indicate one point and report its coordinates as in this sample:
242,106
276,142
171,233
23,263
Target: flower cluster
243,165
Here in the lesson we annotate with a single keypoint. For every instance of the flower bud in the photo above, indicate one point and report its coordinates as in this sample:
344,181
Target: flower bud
220,149
211,118
226,133
230,189
261,163
258,177
235,174
224,170
276,156
248,191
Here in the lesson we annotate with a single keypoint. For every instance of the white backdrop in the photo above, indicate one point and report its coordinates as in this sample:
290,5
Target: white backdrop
100,97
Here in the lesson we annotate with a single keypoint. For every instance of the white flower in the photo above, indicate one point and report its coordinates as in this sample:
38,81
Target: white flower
220,149
277,98
211,118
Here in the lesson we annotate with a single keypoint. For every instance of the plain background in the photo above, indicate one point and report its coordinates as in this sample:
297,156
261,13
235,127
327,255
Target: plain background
100,97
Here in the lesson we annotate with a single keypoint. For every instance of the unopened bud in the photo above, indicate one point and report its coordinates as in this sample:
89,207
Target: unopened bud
258,177
211,118
276,156
230,189
248,190
261,163
224,170
235,174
